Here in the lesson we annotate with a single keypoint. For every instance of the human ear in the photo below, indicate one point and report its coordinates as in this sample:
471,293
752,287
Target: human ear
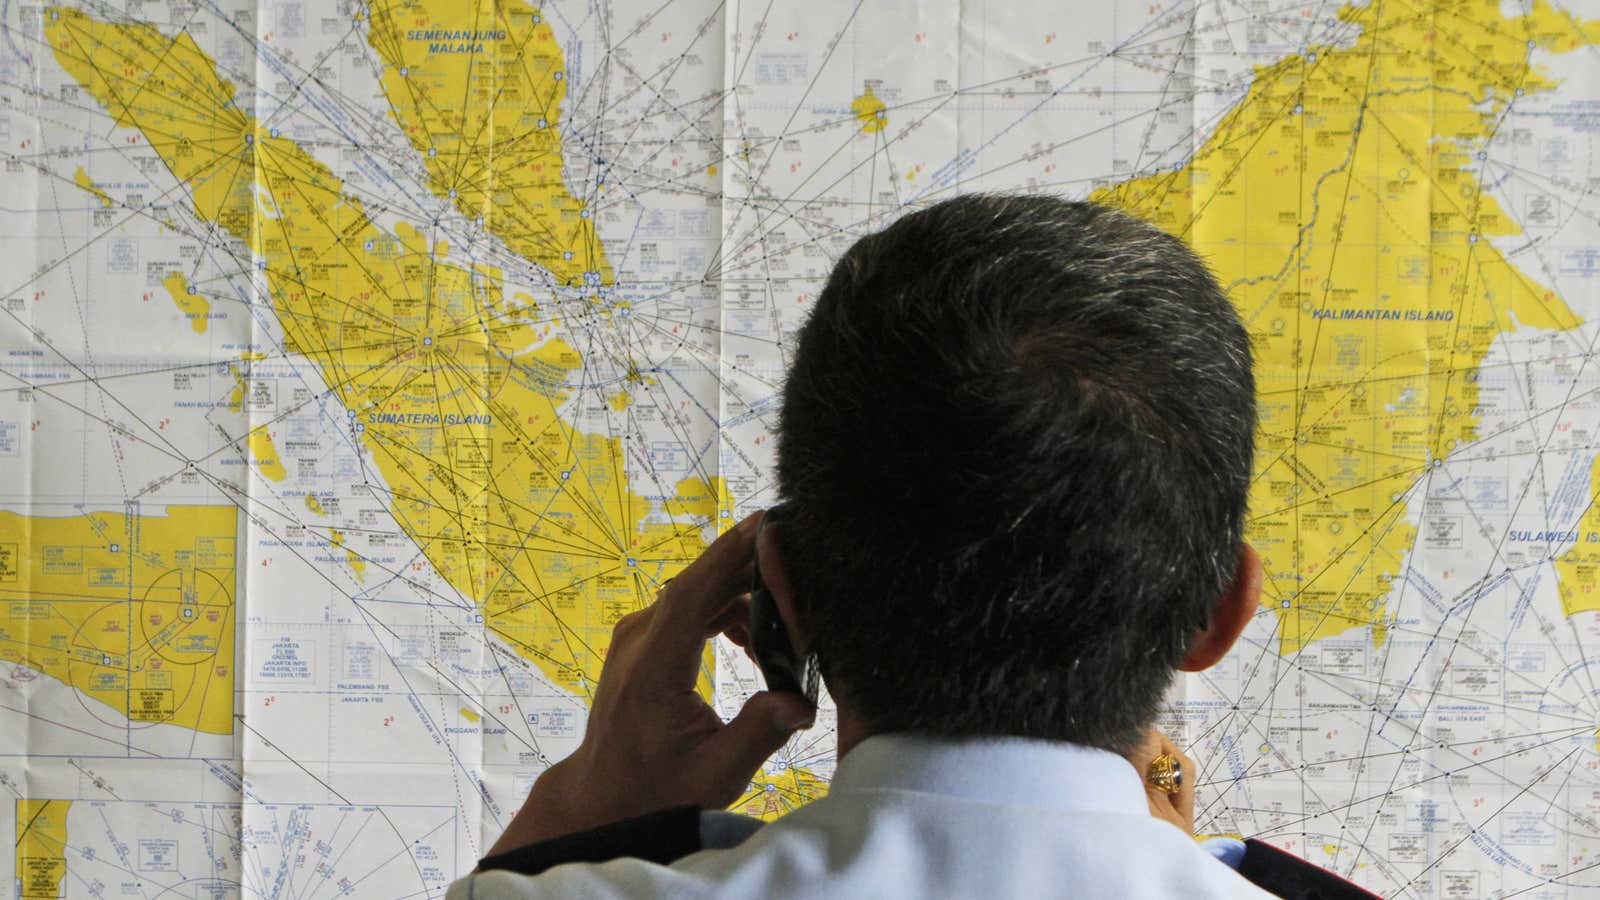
1229,615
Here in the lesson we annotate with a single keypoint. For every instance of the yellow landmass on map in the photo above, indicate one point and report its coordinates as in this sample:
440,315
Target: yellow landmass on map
870,112
315,505
771,796
456,400
82,180
620,401
484,110
469,715
193,305
41,848
265,455
236,396
1339,206
134,610
351,558
1577,574
1578,570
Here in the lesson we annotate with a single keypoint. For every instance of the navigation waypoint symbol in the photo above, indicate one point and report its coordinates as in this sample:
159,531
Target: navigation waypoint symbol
116,548
405,71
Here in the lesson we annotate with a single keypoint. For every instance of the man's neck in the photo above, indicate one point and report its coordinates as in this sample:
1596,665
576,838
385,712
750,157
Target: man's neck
852,730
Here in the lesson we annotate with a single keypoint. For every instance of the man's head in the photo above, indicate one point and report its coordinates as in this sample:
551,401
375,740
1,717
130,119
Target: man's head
1016,444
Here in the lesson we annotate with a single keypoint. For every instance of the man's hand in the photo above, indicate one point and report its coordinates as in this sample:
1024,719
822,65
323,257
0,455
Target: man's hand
652,742
1175,808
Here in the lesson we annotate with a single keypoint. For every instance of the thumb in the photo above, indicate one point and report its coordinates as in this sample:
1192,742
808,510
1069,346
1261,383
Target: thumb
761,727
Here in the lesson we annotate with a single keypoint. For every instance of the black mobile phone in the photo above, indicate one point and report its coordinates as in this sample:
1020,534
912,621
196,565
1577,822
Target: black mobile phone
782,667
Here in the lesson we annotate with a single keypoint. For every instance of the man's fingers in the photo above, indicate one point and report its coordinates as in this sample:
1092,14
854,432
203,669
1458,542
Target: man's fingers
698,593
624,634
1183,800
735,615
1178,807
697,596
767,720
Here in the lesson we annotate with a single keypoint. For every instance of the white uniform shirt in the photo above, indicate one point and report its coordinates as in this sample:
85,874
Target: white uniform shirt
915,817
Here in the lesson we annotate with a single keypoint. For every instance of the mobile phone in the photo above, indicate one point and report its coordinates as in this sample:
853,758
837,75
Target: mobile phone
782,667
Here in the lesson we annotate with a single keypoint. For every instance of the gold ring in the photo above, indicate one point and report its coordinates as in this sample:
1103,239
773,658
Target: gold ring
1165,774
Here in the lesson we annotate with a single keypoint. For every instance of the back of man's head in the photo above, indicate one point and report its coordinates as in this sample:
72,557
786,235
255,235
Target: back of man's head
1016,443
